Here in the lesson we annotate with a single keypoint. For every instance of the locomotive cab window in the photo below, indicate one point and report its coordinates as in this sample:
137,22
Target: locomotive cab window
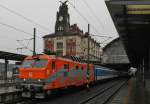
34,63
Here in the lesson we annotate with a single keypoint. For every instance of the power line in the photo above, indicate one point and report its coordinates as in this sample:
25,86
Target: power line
29,40
79,12
25,39
84,18
24,46
92,11
25,18
17,29
102,36
105,41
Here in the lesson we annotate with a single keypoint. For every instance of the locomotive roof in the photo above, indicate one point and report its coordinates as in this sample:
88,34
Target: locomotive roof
45,56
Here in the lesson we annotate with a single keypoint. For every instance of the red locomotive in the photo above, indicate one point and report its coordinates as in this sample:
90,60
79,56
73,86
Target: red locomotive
42,74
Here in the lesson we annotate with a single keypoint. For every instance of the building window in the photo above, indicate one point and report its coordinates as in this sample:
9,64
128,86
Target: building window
59,52
60,28
49,45
71,47
74,49
59,45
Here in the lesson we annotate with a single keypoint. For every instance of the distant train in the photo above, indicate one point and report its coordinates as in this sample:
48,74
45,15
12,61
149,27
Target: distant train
43,74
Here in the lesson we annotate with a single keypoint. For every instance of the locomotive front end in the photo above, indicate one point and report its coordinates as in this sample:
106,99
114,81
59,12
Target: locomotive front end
32,75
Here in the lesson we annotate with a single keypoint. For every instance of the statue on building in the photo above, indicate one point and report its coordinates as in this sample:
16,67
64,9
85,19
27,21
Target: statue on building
64,6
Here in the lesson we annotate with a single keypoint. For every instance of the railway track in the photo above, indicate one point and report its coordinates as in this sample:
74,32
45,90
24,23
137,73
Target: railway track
99,94
104,96
28,101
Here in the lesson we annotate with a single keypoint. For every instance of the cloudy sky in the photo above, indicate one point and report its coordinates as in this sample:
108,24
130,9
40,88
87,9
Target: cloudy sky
19,17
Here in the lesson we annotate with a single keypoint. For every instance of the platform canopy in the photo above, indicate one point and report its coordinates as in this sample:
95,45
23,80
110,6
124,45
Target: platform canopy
11,56
129,2
132,21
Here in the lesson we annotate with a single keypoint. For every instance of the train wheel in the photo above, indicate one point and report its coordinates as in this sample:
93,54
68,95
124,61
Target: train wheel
47,93
32,94
26,94
40,95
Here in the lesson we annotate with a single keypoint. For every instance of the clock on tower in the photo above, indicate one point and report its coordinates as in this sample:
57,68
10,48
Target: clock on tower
60,18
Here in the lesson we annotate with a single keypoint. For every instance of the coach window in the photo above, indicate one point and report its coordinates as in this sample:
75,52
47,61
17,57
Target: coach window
53,65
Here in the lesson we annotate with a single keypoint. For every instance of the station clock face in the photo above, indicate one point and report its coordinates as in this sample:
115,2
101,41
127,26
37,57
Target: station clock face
60,18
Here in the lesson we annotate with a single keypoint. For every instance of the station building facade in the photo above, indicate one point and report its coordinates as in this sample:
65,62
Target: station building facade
70,40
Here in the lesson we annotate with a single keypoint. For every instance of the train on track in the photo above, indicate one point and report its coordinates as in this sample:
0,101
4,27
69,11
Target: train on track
43,74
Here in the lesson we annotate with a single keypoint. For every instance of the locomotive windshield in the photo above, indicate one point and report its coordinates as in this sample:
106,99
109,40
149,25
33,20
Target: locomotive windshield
34,63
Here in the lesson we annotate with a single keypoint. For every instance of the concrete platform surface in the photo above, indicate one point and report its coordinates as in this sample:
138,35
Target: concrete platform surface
135,92
4,90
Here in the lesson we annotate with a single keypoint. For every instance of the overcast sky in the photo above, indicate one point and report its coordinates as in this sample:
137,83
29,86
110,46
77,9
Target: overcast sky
43,12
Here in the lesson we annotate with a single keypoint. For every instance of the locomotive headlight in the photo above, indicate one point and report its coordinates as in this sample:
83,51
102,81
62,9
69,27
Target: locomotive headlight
39,80
24,79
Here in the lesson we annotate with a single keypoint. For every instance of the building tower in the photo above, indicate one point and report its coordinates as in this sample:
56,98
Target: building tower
62,24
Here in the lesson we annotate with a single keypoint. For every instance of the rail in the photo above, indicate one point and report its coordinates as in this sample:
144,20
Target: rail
104,91
104,95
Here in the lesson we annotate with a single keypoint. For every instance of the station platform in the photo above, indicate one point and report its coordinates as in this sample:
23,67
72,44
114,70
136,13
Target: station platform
4,90
8,92
134,92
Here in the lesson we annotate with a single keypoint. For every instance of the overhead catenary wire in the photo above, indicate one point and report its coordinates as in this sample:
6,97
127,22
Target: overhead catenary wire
20,30
29,40
92,11
25,39
26,47
105,41
17,29
84,18
102,36
23,46
25,18
14,39
79,12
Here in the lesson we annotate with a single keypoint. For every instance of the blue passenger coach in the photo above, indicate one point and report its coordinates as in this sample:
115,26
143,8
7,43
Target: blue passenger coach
104,73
